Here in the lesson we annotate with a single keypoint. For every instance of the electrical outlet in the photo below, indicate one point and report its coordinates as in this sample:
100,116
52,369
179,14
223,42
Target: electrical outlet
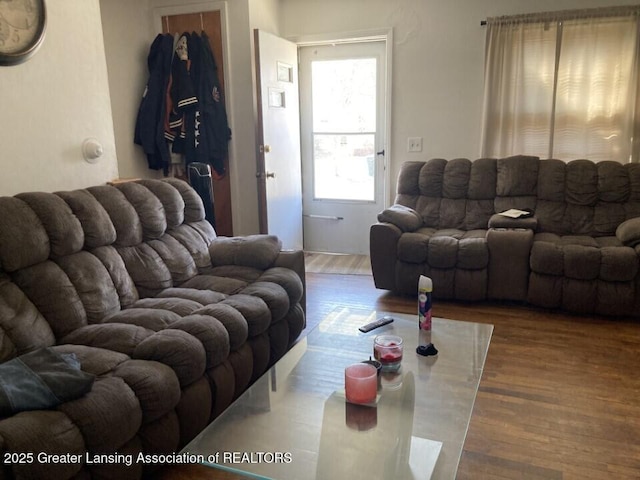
414,144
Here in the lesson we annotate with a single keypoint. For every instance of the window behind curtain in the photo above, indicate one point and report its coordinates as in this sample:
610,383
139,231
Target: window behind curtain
561,87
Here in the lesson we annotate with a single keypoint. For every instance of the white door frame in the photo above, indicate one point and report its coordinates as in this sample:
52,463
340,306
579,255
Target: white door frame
385,34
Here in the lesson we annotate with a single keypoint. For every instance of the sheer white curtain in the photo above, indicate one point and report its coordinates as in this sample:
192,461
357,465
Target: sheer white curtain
562,85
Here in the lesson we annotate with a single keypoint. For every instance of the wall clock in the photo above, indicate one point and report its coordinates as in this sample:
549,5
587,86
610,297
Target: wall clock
22,25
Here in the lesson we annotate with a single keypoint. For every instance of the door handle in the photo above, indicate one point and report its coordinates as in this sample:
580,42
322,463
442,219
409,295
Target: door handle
265,175
324,217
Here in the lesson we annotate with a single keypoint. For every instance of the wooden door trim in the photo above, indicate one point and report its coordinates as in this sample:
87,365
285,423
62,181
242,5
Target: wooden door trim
260,160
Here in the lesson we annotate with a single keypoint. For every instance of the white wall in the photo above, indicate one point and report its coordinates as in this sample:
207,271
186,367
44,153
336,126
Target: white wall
51,103
128,33
438,61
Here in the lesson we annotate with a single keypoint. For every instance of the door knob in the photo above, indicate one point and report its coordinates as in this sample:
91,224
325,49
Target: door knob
265,148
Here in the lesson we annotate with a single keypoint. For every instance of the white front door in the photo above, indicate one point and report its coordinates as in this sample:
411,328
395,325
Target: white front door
342,103
279,169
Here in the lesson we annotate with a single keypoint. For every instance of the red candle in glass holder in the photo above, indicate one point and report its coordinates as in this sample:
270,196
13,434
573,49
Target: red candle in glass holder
387,349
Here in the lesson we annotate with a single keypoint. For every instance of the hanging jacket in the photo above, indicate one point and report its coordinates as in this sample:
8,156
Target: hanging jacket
149,127
181,97
214,133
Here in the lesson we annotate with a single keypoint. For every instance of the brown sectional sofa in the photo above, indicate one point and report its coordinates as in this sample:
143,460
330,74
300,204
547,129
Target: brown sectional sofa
580,251
172,322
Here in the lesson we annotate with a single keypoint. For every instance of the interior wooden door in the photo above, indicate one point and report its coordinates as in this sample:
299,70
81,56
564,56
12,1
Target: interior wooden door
210,23
279,174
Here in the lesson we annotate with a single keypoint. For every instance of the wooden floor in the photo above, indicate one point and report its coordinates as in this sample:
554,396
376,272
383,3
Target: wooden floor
319,262
559,397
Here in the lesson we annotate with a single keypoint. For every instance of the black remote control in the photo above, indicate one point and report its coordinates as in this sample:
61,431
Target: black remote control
378,323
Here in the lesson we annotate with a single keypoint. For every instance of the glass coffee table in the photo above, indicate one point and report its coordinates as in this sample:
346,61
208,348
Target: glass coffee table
294,422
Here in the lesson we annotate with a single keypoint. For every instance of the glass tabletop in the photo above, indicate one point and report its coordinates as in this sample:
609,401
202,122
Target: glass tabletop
294,421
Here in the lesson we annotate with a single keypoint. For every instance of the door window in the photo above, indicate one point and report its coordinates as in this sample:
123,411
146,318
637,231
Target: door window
344,128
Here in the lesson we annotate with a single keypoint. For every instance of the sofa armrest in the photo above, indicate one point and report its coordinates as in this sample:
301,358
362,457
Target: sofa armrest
383,248
500,221
294,260
257,251
405,218
628,232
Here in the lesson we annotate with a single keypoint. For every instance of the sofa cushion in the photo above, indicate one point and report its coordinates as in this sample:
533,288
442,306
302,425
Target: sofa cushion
452,213
456,178
154,385
413,247
107,416
581,262
517,176
607,216
583,258
23,239
149,318
547,255
93,284
22,326
443,251
619,264
123,216
181,306
96,223
430,179
582,183
254,310
613,182
551,180
127,291
42,431
232,319
149,273
482,179
628,232
148,207
274,296
51,291
204,297
171,200
478,214
193,206
405,218
224,285
473,253
62,226
176,257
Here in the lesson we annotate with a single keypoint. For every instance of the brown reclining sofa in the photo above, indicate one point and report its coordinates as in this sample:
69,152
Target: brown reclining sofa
579,251
133,322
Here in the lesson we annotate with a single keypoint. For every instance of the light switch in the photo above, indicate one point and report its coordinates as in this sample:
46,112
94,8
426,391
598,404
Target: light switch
414,144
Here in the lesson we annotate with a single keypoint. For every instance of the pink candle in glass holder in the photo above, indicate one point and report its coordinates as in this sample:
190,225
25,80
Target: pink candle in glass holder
361,383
